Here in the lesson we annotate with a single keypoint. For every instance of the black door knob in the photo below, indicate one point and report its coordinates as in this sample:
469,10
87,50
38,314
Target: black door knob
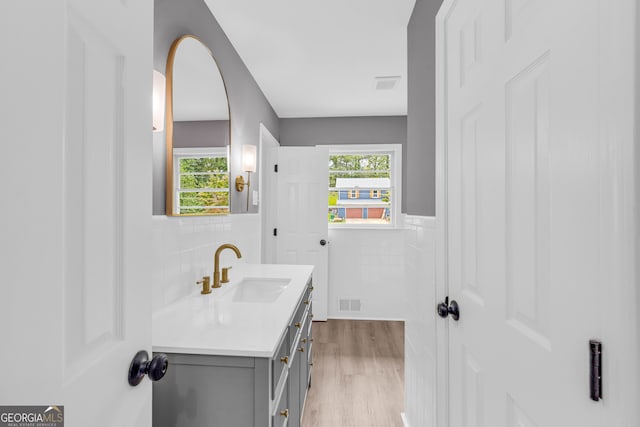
323,242
447,308
454,310
443,308
141,366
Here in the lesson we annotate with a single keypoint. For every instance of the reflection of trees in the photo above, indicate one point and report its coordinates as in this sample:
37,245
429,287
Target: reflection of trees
205,198
209,174
204,172
203,164
212,180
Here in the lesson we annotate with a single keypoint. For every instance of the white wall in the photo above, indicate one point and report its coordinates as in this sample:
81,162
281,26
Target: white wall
182,250
367,265
420,326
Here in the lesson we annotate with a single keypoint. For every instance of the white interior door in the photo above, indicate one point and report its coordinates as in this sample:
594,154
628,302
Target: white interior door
526,196
303,179
268,191
76,117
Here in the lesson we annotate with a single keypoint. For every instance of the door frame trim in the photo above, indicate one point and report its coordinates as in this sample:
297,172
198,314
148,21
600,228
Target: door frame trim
442,281
266,138
619,170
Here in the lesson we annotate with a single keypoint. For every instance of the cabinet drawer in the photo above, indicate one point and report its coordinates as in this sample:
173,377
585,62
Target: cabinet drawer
279,363
281,414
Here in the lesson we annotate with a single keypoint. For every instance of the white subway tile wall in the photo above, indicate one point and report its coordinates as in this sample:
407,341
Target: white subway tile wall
367,266
182,250
420,357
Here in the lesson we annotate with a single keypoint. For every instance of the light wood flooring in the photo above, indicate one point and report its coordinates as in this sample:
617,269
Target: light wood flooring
358,374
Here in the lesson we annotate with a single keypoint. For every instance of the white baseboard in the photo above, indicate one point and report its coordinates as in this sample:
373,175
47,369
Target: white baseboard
405,423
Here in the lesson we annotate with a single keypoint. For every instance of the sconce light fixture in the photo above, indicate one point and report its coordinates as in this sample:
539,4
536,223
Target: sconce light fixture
159,93
249,155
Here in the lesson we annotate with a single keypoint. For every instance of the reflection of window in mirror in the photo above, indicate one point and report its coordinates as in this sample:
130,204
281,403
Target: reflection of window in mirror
201,181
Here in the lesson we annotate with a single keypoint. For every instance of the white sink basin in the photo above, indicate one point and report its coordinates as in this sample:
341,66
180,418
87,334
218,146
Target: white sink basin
257,290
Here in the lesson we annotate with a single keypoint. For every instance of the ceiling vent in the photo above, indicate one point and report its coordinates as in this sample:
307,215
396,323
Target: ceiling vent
387,82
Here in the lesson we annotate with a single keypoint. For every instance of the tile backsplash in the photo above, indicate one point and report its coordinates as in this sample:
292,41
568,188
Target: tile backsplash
183,247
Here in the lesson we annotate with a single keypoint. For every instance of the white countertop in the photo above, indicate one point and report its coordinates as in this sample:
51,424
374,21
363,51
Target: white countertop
212,325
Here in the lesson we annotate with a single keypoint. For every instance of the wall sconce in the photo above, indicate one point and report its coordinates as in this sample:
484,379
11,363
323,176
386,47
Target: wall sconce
249,155
159,93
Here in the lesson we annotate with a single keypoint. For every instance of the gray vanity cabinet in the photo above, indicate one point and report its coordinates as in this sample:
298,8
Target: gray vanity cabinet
237,391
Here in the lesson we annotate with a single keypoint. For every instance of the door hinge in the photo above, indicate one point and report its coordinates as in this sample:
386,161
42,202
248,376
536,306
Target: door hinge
275,168
275,231
595,374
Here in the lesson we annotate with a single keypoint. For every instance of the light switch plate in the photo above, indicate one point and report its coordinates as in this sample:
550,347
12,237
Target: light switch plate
255,198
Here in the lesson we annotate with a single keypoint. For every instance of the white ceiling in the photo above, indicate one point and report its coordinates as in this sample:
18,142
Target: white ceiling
319,59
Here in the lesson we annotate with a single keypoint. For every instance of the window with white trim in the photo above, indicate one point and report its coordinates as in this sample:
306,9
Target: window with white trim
201,180
364,185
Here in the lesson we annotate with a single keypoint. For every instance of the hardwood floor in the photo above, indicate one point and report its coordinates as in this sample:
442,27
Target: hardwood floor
358,374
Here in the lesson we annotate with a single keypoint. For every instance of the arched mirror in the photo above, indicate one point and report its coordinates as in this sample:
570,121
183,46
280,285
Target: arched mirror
198,132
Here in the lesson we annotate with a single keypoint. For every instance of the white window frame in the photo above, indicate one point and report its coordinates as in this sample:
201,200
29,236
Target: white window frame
395,150
182,153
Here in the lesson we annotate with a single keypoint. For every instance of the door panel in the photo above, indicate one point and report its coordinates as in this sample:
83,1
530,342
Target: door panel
85,145
522,191
303,179
93,193
106,223
527,203
469,115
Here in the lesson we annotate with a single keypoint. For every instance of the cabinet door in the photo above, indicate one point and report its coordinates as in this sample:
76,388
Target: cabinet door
294,389
281,415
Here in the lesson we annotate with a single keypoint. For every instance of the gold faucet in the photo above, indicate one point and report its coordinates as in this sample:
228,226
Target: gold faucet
216,262
206,285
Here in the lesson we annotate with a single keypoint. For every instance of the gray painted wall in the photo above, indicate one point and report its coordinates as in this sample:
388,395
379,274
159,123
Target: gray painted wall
421,119
200,133
248,104
348,130
344,130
